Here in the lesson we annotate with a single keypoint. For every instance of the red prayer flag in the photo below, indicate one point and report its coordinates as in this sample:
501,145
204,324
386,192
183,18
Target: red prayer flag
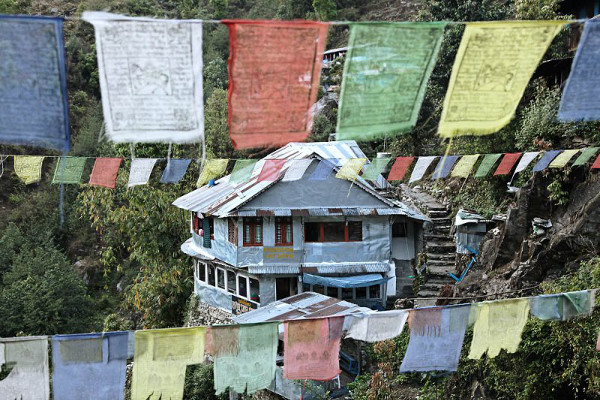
596,163
105,172
274,71
508,162
270,171
400,168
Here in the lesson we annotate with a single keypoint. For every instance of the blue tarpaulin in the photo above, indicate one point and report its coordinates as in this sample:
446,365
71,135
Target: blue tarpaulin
346,281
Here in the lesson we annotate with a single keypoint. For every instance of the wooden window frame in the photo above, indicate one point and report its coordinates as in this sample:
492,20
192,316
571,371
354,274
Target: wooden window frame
282,226
252,222
232,231
322,232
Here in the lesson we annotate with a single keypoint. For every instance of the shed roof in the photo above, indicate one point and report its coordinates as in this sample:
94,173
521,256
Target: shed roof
301,306
224,198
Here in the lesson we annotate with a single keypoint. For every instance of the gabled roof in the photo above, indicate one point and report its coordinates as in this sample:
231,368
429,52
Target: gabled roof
224,199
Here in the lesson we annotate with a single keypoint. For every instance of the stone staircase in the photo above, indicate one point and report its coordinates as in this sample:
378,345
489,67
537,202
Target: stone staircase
439,244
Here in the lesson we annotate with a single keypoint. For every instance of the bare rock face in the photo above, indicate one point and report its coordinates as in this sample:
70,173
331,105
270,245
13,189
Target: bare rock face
513,257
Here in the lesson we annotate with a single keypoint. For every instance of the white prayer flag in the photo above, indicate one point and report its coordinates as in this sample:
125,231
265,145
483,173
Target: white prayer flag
141,169
150,78
296,170
376,326
420,168
525,161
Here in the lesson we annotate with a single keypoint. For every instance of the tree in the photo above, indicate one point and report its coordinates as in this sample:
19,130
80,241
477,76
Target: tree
325,9
216,113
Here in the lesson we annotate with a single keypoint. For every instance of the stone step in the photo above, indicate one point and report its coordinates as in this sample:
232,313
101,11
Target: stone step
440,247
441,229
441,221
440,263
438,214
424,303
440,271
438,236
442,256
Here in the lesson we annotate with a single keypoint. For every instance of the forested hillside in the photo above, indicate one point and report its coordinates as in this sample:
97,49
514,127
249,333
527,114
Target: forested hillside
115,262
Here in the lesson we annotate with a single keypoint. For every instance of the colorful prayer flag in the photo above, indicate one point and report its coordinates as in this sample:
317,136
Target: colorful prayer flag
508,162
175,170
543,163
525,161
141,169
242,171
596,163
29,168
400,168
249,364
274,71
464,166
494,64
150,78
580,100
421,167
489,160
385,76
271,170
585,156
375,168
498,326
296,169
563,158
351,169
439,351
89,366
29,376
69,170
323,170
311,348
105,172
562,306
375,327
33,91
161,358
443,167
213,169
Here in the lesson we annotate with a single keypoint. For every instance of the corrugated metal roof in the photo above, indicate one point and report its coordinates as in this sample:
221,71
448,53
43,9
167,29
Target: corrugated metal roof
223,199
301,306
316,212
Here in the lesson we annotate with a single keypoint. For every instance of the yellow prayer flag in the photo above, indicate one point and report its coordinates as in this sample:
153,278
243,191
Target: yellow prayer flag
494,64
29,168
498,326
464,166
563,158
351,169
161,357
212,169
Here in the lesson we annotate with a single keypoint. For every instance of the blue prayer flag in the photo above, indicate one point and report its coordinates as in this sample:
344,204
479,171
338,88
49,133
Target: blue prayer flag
581,98
546,160
175,170
89,366
444,166
33,85
323,170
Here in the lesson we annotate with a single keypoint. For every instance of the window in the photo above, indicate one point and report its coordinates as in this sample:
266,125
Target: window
375,292
253,232
211,275
254,290
312,231
283,231
319,289
347,293
232,231
306,287
361,292
202,272
242,286
350,231
221,278
399,229
196,223
354,231
332,291
231,282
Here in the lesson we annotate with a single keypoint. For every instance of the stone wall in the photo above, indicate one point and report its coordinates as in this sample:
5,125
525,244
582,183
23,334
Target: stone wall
202,314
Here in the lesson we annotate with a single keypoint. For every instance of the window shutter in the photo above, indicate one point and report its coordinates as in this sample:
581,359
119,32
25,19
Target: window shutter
207,232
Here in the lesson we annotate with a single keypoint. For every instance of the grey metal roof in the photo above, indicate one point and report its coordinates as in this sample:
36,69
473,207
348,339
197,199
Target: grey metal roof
301,306
224,198
320,268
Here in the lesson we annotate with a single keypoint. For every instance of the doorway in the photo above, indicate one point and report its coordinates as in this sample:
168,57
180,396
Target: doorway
286,287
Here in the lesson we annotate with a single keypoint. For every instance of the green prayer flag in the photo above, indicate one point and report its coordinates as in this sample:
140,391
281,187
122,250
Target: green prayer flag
486,165
585,155
563,158
212,169
375,168
242,171
252,366
69,170
464,166
385,76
